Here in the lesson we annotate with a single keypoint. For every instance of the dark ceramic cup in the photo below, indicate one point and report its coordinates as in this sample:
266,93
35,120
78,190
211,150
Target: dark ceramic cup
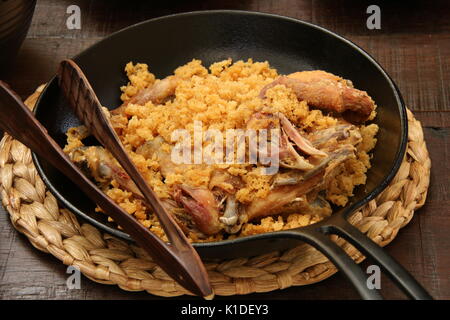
15,19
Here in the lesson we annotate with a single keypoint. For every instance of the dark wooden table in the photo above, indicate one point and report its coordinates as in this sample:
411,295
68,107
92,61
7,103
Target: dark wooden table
413,45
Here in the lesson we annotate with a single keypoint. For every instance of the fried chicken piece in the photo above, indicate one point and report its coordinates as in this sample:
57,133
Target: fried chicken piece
223,180
154,148
201,204
326,91
157,93
99,165
334,136
288,156
288,188
301,142
280,197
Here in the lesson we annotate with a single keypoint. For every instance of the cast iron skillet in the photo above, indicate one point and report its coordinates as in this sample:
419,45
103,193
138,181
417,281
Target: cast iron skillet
289,45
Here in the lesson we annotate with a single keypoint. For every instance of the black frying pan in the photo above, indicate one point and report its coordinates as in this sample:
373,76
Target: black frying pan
289,45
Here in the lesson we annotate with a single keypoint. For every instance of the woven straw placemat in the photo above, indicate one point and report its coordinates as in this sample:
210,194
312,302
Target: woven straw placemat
103,258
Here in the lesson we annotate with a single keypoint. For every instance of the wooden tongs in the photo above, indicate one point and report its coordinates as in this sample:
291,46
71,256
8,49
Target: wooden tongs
177,258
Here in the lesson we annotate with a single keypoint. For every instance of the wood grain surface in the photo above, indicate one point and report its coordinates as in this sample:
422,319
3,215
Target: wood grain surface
413,46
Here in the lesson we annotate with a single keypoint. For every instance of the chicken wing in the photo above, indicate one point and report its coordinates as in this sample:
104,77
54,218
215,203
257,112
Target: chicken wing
326,91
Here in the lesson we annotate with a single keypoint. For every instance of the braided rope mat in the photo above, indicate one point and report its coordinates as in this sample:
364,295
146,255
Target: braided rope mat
103,258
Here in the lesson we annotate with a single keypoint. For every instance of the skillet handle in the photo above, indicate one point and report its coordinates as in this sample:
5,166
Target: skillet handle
395,271
322,242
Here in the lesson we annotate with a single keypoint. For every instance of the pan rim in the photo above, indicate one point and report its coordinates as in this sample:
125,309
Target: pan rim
210,245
